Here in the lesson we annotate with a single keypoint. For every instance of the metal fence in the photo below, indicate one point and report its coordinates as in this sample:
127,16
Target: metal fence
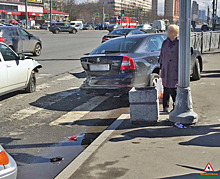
205,41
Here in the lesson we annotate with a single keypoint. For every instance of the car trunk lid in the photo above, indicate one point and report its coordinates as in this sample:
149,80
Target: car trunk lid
105,64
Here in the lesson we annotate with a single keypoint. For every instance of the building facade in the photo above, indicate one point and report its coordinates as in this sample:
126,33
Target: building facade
15,9
137,8
202,15
171,10
195,11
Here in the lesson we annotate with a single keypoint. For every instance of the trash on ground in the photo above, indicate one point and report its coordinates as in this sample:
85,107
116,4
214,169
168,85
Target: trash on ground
74,138
56,159
180,126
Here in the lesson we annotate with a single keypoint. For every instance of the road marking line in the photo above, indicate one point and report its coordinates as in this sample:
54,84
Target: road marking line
27,112
82,157
42,86
80,111
39,75
67,77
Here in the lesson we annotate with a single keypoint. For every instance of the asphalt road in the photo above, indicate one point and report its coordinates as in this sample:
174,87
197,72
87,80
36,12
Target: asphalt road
36,127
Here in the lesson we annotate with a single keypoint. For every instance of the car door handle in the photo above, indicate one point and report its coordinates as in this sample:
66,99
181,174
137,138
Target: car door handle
8,66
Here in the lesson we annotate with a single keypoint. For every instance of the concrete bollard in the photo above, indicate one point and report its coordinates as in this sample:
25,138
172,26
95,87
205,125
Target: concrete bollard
144,105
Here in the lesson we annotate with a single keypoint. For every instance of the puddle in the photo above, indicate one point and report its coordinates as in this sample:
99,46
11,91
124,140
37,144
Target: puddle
43,168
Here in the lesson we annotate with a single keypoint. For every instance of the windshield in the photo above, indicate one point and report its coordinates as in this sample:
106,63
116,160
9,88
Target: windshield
126,45
120,32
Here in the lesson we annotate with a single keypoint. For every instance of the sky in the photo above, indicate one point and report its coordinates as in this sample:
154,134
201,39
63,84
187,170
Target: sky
203,5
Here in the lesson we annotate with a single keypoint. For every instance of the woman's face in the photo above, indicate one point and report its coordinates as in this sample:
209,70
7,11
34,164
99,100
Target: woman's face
171,33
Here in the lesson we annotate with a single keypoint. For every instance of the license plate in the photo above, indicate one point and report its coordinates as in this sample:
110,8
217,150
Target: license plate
100,67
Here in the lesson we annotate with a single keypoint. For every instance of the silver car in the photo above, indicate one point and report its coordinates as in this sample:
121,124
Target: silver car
8,166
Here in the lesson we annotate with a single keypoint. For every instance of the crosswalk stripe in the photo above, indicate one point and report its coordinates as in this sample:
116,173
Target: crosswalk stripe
67,77
27,112
80,111
42,75
42,86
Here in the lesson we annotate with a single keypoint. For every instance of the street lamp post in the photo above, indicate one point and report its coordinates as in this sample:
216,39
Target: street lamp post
183,112
26,14
51,12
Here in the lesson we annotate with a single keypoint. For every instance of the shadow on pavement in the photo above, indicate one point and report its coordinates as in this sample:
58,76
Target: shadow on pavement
205,139
76,99
79,75
7,140
191,175
12,94
211,74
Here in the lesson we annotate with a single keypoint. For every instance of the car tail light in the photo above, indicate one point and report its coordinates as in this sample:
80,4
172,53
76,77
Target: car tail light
4,160
128,63
104,38
2,39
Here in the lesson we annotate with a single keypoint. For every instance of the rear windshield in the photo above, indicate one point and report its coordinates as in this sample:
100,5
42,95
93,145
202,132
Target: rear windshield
126,45
120,32
5,32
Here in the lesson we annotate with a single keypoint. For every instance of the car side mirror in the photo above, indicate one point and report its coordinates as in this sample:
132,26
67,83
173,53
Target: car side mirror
86,53
191,50
21,56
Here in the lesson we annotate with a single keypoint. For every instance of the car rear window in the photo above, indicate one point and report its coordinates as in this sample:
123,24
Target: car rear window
4,32
118,45
120,31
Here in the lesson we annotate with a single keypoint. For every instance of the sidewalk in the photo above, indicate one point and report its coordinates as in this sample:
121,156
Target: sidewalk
163,151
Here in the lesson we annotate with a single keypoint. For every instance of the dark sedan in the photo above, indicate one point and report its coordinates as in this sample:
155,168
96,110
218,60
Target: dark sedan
58,27
20,40
122,32
127,62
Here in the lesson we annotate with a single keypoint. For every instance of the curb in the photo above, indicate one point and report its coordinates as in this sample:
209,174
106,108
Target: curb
82,157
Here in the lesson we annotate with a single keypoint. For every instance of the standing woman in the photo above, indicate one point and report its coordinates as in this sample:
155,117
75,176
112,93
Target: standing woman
169,65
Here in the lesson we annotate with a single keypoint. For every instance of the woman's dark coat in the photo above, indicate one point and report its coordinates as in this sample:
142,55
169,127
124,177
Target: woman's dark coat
169,63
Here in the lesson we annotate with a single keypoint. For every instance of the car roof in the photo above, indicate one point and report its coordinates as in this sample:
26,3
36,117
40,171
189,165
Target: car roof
139,36
5,27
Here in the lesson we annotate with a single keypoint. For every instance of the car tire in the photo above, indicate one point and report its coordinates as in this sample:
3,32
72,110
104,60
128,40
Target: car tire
57,31
196,71
153,79
73,31
37,50
31,87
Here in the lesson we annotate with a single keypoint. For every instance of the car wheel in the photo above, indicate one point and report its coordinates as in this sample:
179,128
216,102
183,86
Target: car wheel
73,31
31,87
37,50
196,71
57,31
153,79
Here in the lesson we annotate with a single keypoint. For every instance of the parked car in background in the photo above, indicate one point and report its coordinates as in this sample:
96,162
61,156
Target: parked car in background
205,27
37,26
16,71
20,40
112,27
8,166
87,27
122,32
45,26
125,62
159,25
77,24
147,28
58,27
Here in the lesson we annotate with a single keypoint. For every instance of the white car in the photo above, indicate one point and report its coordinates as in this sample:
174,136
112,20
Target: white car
16,71
8,167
